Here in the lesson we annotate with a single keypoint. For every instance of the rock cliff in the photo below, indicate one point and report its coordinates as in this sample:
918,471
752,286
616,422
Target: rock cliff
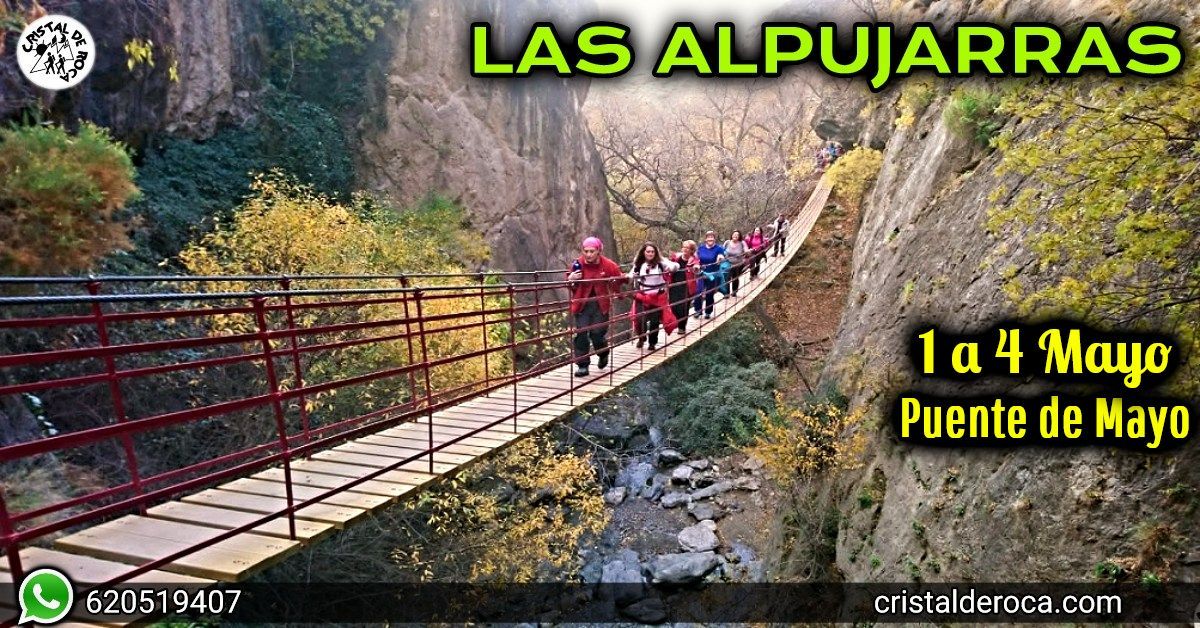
515,152
216,46
923,254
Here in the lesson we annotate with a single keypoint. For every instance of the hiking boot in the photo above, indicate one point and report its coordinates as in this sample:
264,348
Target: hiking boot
641,343
603,361
581,371
653,347
696,315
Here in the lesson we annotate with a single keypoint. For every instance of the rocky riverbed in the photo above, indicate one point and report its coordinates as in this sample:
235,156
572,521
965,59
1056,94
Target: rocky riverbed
678,522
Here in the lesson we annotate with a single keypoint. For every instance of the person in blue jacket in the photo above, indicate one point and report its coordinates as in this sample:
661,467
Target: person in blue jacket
710,255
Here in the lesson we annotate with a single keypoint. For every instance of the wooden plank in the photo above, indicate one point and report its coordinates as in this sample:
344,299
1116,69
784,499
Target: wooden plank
359,447
490,407
383,461
397,453
407,477
349,498
527,396
366,460
497,411
492,438
91,570
214,562
527,404
592,377
470,424
325,481
447,424
489,425
405,443
563,384
226,519
246,542
484,440
339,516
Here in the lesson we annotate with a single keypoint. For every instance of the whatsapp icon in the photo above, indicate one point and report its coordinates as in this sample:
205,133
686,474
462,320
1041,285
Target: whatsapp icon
46,596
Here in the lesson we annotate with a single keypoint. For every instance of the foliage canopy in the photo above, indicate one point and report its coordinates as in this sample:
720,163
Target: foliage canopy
287,228
1115,201
188,185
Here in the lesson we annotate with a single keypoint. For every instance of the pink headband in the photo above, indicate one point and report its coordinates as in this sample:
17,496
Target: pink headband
593,243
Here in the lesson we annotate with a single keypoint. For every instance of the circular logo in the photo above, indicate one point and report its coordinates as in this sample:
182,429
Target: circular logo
56,52
46,597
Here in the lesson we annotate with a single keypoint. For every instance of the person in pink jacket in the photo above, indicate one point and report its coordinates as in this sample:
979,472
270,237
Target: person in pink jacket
758,248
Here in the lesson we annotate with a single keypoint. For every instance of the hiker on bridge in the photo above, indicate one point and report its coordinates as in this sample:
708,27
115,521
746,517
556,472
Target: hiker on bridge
779,235
710,255
683,282
651,274
736,253
758,247
595,279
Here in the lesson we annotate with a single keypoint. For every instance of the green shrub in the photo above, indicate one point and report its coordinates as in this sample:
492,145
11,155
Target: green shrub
1108,571
723,409
60,198
971,114
189,185
865,498
714,395
307,142
311,31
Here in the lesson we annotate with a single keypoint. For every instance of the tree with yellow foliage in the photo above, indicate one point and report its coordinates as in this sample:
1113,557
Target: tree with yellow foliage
286,228
855,173
1113,194
531,535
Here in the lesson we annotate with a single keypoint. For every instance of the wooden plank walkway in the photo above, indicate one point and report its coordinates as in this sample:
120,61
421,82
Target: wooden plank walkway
103,551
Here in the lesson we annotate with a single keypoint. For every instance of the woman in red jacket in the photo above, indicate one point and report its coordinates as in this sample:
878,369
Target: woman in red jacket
683,282
595,279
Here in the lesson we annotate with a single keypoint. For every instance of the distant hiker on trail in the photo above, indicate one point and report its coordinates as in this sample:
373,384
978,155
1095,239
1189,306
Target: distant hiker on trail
736,252
710,255
758,247
595,279
683,282
651,274
779,235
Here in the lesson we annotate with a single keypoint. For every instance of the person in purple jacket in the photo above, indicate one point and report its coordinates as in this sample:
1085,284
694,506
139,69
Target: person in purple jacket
710,255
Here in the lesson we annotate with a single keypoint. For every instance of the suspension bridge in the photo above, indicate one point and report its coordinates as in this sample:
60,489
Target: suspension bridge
230,515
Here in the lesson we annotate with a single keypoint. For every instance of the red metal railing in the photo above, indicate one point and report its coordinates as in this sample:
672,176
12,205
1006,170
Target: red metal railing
277,347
